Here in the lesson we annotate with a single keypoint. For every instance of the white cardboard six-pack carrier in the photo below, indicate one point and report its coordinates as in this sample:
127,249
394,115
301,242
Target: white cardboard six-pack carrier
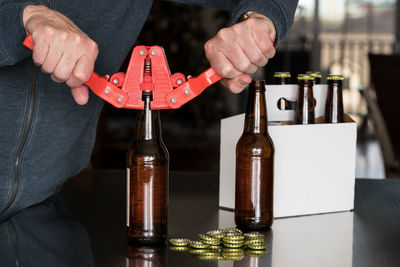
314,165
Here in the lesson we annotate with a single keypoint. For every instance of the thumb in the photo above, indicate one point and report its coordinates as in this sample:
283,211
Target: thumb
80,94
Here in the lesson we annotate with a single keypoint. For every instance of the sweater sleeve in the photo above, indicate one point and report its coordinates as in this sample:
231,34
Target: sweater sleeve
12,32
280,12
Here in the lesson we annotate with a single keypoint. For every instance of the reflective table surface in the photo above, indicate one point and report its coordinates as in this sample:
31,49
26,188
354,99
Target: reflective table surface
86,227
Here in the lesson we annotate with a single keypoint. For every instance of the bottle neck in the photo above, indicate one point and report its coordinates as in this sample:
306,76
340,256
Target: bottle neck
148,125
306,87
256,111
335,86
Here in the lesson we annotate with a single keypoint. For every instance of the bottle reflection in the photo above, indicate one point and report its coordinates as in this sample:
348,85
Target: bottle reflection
44,235
140,256
258,258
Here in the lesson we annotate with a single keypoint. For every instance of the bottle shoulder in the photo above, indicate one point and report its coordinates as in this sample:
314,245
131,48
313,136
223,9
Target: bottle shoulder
148,151
255,144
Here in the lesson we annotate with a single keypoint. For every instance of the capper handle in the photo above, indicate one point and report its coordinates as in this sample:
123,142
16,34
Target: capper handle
192,88
97,83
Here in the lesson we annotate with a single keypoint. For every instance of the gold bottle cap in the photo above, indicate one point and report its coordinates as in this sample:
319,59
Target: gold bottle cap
253,235
231,230
179,242
253,241
233,245
335,77
282,75
216,234
204,237
232,250
258,246
315,74
233,237
198,244
305,77
255,253
213,242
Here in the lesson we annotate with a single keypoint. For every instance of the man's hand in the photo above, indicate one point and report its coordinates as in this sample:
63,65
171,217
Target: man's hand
236,52
61,49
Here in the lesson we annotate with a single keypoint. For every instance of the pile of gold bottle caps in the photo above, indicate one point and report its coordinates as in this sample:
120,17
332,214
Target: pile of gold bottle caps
223,244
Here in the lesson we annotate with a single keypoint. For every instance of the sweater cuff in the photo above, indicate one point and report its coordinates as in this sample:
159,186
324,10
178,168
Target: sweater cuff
12,31
273,10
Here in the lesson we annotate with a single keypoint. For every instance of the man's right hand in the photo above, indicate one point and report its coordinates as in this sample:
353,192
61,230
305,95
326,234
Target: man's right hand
61,49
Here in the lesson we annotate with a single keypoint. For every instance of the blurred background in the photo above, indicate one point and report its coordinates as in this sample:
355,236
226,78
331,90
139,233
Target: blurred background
356,38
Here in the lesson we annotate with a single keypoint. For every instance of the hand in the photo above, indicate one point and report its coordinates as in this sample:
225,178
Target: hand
61,49
238,51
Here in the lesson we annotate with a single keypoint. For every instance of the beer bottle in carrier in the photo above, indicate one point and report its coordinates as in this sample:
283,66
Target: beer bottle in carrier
316,75
281,78
334,100
305,100
147,180
254,165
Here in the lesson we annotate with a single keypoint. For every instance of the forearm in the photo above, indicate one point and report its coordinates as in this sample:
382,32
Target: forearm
238,51
280,12
12,31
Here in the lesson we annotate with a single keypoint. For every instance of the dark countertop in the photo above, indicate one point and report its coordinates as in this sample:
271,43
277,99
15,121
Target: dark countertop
369,236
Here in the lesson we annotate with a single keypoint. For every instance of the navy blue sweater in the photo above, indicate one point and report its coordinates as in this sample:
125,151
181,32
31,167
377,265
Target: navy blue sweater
45,137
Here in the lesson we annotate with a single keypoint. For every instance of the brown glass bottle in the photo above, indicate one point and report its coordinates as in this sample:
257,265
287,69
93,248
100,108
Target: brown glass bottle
316,75
281,78
254,166
334,100
147,180
305,100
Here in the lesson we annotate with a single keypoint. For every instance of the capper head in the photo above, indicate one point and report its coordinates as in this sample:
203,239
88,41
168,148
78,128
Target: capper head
148,71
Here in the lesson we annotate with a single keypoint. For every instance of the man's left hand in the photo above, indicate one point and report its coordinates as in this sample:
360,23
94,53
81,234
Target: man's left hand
238,51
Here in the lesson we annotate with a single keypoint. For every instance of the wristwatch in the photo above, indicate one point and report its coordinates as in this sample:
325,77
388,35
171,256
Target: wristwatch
246,15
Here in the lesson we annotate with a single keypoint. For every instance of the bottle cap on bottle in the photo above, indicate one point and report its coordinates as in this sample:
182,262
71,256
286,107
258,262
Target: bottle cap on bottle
315,74
335,77
305,77
282,75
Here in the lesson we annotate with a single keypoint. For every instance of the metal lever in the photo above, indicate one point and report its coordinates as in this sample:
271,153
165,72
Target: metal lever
98,84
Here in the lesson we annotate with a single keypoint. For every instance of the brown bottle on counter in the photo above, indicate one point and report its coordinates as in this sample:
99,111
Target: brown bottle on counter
334,100
305,100
147,180
254,166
